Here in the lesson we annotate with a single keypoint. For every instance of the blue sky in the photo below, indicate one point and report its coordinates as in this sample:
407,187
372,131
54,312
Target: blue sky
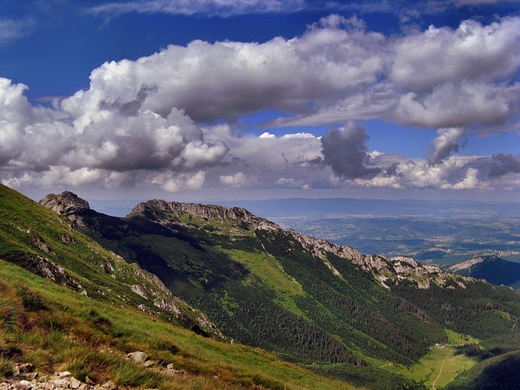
220,99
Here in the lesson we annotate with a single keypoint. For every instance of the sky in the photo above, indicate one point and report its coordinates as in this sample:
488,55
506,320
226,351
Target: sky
259,99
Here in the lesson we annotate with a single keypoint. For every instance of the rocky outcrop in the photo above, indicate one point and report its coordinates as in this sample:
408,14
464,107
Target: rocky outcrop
162,211
49,270
65,203
386,272
23,376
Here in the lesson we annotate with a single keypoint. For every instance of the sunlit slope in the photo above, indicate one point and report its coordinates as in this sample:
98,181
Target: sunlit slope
46,244
55,329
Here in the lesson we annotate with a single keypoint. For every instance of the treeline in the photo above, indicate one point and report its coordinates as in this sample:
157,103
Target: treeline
481,310
386,326
254,320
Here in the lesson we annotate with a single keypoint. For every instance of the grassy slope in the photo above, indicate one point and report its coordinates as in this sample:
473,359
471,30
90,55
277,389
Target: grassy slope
30,232
52,327
441,365
56,328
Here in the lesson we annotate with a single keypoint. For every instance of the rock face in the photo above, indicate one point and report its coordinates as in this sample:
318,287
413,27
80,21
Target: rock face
157,209
23,377
65,203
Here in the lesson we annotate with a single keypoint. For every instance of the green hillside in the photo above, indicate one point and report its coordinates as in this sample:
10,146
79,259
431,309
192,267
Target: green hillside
329,308
46,244
66,303
55,329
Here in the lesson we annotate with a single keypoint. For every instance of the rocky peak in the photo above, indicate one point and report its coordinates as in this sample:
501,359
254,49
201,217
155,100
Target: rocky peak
66,203
158,208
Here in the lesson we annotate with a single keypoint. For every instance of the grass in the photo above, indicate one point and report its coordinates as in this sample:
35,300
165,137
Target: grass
441,365
268,270
53,327
459,339
26,227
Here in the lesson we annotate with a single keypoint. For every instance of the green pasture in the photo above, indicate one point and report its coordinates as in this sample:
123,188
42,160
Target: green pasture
440,366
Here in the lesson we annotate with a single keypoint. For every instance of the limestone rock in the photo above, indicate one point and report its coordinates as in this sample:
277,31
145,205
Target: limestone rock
138,357
65,203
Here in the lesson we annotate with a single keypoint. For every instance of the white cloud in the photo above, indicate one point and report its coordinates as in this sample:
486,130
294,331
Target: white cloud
260,162
65,177
450,105
267,135
471,52
335,72
225,80
454,172
469,182
89,142
12,29
299,135
236,180
222,8
140,121
180,182
291,183
437,78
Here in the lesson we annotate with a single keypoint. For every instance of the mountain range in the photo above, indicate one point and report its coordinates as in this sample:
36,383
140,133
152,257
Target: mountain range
228,275
491,268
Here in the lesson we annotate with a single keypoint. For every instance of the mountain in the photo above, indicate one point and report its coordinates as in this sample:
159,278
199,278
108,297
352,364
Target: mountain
46,244
499,372
491,268
70,306
336,311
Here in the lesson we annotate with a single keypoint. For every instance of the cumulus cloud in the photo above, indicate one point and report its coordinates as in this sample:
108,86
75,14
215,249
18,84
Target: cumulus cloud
181,182
448,141
453,173
226,80
236,180
504,164
335,72
471,52
346,153
88,142
267,161
153,120
441,77
450,105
